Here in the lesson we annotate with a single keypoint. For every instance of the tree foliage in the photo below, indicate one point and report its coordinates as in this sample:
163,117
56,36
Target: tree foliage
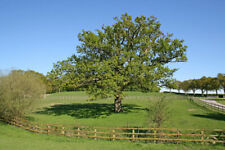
131,52
221,78
171,84
204,84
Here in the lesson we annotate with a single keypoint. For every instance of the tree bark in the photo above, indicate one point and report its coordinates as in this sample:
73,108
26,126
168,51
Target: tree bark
202,92
118,104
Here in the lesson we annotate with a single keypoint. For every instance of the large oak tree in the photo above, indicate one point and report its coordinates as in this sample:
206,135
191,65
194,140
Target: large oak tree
129,52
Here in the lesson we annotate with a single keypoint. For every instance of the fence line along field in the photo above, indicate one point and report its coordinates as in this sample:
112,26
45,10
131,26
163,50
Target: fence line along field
204,136
217,107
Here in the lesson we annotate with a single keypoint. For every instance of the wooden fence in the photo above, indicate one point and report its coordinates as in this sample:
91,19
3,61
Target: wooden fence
156,135
212,106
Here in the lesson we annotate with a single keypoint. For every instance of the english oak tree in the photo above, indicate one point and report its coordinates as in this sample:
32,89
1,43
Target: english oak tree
129,52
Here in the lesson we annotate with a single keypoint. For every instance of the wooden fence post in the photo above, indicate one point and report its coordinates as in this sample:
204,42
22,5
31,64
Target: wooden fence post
178,135
63,130
202,137
133,135
154,136
78,132
114,136
36,129
49,128
95,134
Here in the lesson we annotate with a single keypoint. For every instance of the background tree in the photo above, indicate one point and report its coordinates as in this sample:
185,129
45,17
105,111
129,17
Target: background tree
193,85
221,78
185,86
215,84
201,84
55,77
206,84
170,84
178,85
130,52
42,77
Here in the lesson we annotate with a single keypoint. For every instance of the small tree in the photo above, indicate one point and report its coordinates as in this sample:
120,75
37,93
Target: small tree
18,92
130,52
158,112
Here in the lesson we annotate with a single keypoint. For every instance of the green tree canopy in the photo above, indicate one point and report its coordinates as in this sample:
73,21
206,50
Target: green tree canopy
129,52
193,85
185,86
221,78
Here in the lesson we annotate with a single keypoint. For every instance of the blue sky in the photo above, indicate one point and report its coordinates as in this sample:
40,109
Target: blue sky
34,34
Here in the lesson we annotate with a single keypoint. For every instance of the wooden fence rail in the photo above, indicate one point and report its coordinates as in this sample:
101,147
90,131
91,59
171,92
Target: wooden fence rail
212,106
164,135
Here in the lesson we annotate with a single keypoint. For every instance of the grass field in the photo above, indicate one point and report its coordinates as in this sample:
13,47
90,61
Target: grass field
74,108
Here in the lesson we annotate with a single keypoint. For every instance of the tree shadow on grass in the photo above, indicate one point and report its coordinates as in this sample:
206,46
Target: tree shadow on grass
215,116
89,110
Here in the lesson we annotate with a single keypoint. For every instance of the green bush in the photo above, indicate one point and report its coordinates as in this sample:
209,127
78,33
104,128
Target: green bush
18,92
158,112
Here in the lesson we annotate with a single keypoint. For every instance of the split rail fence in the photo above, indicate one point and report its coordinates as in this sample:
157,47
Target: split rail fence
156,135
212,106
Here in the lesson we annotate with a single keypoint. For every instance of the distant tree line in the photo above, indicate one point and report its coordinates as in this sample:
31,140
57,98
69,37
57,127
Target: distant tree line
204,84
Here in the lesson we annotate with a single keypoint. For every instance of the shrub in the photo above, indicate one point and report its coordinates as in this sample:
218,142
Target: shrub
158,112
18,92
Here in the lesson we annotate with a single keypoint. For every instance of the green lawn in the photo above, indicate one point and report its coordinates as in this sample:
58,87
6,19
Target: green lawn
13,138
75,108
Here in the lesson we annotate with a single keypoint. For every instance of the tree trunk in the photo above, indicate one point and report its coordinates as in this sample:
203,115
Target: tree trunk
202,92
216,92
118,104
193,92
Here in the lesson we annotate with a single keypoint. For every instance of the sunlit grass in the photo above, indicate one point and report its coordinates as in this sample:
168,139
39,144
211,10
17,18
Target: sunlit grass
75,108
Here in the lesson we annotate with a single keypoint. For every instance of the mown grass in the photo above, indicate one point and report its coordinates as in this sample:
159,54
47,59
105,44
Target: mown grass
75,108
13,138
